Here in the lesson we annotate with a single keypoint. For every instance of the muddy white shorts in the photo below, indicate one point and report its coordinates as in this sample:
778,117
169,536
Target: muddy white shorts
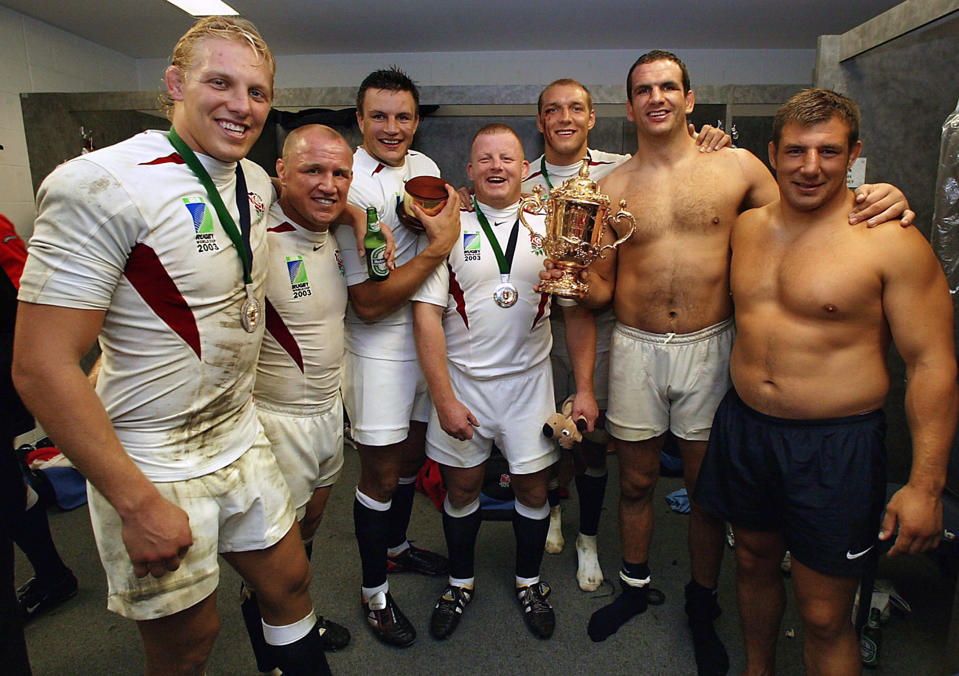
308,445
242,507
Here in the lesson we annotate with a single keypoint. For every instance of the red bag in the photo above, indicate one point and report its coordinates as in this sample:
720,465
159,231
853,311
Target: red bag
429,480
13,252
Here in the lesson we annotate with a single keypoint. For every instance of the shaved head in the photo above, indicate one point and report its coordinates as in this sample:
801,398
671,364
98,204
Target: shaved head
311,133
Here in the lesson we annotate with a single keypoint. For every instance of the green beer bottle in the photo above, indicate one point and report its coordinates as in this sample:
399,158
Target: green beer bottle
375,244
871,639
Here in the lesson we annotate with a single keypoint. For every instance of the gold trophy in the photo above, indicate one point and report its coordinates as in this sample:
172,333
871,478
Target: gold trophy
576,215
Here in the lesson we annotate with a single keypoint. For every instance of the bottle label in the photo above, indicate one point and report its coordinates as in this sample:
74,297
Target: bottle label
868,650
378,262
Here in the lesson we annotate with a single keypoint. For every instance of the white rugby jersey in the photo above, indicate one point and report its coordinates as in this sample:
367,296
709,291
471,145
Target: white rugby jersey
378,185
129,230
600,165
484,340
301,357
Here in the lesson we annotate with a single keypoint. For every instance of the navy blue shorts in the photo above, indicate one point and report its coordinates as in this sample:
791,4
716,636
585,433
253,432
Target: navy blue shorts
821,483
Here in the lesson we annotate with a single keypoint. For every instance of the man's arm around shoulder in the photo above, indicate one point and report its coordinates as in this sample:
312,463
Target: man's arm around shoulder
374,300
761,188
919,311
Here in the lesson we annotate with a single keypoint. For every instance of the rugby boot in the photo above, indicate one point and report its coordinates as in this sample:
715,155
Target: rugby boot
537,612
388,622
448,610
417,560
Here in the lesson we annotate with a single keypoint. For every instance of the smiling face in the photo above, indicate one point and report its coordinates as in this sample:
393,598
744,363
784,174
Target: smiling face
388,121
497,168
565,118
221,103
811,162
657,104
316,171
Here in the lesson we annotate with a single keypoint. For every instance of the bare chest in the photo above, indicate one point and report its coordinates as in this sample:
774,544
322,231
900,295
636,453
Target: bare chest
699,203
811,278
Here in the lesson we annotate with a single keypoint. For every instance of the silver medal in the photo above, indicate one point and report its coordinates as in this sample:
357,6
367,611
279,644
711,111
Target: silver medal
505,295
250,312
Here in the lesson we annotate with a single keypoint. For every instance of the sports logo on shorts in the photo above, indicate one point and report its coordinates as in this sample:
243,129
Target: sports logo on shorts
471,246
299,282
202,224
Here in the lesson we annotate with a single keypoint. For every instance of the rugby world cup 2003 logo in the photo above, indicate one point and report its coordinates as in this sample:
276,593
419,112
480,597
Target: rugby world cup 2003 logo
202,224
299,283
471,246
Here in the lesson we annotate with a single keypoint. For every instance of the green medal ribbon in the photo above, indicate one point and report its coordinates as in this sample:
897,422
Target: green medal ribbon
505,263
226,220
505,295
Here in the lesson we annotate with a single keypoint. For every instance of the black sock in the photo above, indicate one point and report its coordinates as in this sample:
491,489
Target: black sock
702,608
530,543
552,496
13,647
636,571
371,528
401,508
591,491
631,602
31,532
461,535
265,660
304,657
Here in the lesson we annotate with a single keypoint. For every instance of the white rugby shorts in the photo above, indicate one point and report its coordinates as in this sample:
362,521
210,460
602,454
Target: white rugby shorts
382,397
667,381
244,506
511,411
308,445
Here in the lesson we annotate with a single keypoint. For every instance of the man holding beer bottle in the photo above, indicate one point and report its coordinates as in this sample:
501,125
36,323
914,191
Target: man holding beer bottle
383,387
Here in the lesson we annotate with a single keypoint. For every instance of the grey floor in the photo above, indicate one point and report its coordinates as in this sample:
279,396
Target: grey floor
82,637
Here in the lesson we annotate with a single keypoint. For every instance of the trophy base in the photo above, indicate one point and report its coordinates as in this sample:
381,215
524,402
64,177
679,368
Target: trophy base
569,285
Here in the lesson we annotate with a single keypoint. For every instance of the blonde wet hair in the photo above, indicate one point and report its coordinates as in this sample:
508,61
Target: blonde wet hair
225,28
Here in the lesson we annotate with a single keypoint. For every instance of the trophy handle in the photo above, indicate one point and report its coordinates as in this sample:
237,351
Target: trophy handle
621,216
537,204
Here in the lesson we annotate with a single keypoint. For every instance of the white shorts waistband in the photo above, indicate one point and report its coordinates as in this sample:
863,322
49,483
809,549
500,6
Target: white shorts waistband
674,338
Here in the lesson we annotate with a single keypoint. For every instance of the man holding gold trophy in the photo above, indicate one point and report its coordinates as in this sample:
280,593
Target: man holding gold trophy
670,347
565,116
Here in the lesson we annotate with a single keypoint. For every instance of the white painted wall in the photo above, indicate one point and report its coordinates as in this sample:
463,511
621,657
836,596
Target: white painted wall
36,57
707,66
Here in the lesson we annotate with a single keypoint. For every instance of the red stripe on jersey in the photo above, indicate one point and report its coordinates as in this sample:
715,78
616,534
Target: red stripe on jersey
458,296
285,226
172,158
277,328
533,175
379,167
155,286
543,300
